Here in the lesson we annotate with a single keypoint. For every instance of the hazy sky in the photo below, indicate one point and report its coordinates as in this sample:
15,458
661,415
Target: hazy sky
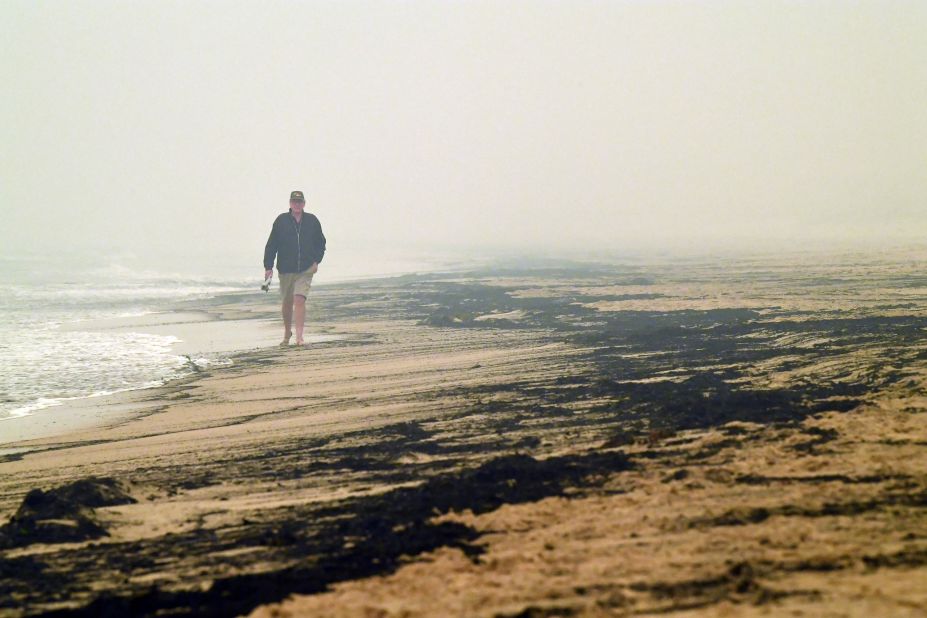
182,126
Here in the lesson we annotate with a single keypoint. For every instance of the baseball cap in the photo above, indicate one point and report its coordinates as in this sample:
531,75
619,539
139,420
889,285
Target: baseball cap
297,196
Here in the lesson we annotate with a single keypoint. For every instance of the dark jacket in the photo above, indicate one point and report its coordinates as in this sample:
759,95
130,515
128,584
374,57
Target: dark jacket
295,245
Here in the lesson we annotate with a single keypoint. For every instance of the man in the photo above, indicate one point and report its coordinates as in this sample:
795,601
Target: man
297,242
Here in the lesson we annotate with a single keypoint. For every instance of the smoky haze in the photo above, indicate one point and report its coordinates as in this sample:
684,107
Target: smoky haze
180,127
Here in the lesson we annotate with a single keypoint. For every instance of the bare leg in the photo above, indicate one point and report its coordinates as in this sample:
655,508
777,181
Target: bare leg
299,310
287,319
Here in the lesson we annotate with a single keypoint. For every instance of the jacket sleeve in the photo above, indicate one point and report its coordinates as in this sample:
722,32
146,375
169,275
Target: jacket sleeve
320,244
270,249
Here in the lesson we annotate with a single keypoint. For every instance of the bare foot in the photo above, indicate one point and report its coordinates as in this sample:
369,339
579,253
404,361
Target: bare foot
300,342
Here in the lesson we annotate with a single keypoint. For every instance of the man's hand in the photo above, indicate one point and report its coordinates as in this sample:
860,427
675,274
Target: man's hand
314,268
268,273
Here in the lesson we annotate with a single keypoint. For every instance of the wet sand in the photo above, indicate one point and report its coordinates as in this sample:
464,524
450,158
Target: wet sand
692,439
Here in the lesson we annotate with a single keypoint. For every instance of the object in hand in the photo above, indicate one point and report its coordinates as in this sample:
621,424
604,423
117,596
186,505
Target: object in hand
266,285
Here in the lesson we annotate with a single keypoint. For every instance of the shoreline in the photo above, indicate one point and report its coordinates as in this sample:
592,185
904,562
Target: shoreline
194,342
615,442
197,327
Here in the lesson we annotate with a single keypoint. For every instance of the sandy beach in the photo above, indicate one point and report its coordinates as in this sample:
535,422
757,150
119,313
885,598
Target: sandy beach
694,439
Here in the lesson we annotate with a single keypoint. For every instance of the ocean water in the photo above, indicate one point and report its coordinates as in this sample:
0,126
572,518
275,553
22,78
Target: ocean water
47,359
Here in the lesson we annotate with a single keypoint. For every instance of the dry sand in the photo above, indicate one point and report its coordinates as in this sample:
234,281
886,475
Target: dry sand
761,529
508,444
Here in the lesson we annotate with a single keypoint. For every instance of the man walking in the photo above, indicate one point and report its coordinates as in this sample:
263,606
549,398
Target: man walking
297,242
